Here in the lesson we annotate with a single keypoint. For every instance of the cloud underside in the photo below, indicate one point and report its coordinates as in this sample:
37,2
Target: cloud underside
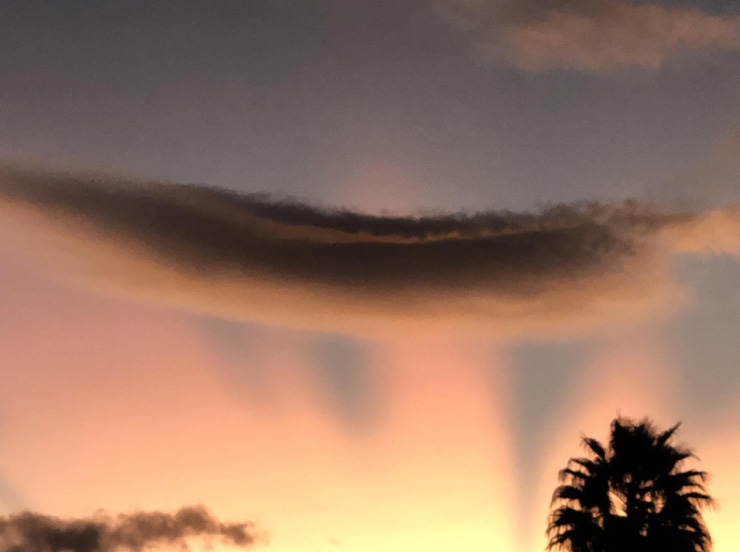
588,36
557,271
135,532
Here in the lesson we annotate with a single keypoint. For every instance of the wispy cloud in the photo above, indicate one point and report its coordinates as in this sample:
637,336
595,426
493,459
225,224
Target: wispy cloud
561,269
583,35
135,532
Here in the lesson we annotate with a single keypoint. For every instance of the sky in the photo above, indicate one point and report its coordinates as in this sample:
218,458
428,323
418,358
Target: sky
357,275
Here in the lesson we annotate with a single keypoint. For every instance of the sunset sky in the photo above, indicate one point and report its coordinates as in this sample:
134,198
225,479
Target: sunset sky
361,273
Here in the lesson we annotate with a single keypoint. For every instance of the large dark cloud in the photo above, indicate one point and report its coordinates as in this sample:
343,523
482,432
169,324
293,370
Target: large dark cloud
135,532
284,262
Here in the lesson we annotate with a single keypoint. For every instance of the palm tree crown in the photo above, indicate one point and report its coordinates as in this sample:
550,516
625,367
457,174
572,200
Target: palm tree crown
630,496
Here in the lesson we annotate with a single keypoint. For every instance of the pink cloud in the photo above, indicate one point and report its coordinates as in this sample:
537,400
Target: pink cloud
593,36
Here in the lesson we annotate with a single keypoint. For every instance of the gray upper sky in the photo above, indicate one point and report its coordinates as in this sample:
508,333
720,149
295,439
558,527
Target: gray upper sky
377,105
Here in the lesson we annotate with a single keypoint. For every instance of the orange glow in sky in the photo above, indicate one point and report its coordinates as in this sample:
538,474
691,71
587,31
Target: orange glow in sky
118,404
130,414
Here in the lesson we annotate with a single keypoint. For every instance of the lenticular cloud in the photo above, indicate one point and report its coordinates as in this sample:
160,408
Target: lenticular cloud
557,270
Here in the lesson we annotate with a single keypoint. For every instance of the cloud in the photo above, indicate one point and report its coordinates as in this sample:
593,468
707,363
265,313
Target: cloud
136,532
583,35
551,272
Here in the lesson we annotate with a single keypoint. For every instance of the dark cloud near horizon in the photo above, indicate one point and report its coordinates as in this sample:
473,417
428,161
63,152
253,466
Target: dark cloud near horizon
135,532
254,258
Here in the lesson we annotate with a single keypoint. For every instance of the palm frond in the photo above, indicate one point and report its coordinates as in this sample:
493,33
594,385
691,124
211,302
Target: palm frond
632,493
595,446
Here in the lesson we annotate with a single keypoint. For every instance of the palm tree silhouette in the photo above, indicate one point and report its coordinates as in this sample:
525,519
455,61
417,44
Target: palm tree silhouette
630,496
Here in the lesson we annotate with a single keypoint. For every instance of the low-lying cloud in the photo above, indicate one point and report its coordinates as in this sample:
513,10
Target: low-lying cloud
135,532
583,35
555,271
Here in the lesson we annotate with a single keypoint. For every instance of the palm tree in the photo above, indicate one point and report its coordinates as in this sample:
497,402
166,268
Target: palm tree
631,496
